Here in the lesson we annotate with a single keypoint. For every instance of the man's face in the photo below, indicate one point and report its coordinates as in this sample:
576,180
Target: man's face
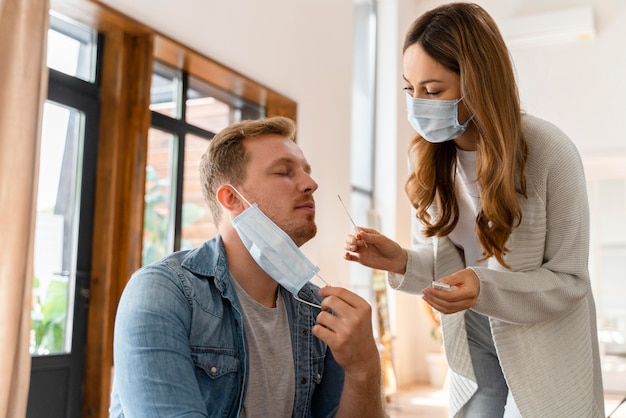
278,178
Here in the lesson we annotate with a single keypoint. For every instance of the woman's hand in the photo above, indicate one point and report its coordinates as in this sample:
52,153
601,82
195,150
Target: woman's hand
372,249
463,296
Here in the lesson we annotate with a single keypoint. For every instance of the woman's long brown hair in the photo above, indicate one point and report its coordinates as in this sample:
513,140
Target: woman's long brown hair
465,39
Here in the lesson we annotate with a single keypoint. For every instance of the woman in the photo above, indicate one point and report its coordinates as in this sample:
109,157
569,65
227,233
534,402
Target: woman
501,215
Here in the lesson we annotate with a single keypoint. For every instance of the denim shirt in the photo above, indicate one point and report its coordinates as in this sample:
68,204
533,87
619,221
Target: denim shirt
180,346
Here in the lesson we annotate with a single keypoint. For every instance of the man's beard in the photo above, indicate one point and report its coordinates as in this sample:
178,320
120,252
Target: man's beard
304,233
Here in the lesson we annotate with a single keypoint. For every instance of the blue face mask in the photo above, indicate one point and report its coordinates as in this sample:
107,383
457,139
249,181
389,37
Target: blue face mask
435,120
273,250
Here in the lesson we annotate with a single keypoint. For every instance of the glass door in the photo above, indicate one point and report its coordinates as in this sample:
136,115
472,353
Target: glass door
63,232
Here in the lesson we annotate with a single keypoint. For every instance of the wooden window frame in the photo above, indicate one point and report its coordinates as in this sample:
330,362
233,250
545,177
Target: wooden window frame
129,50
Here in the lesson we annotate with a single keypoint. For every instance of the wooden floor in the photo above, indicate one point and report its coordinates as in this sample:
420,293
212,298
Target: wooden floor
418,401
423,401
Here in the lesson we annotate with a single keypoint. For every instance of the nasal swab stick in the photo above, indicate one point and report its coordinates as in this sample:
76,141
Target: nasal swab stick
348,213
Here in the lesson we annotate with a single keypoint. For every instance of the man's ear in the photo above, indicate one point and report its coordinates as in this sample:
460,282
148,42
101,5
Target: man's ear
229,200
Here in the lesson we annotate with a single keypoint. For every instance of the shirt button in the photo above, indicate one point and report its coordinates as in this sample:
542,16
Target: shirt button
303,380
213,370
305,332
319,376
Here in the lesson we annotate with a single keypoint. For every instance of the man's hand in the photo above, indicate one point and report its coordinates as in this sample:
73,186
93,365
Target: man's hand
345,324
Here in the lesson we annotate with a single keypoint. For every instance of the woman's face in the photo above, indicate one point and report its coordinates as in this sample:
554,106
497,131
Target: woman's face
427,79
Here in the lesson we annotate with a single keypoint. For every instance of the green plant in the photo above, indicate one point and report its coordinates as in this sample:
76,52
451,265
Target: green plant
49,316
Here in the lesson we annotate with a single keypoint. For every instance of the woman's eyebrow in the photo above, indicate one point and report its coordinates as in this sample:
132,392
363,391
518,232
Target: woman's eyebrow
421,83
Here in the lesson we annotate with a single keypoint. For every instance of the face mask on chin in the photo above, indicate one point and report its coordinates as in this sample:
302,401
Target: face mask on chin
273,250
435,120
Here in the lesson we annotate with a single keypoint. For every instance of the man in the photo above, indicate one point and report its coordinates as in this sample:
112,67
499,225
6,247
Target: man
209,332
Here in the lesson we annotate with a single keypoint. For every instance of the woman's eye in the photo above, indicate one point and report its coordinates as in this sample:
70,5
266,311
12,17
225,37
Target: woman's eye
432,93
408,89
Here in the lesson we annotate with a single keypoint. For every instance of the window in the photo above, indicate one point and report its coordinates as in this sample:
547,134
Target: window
363,133
186,114
370,284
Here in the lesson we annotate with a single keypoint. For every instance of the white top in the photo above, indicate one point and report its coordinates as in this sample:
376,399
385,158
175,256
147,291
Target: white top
541,311
468,199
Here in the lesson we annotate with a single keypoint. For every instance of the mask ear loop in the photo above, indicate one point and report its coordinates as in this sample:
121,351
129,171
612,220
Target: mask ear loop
238,194
467,121
309,303
294,296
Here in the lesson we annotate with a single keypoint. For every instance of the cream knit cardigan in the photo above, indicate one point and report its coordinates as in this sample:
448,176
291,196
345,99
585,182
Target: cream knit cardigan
541,311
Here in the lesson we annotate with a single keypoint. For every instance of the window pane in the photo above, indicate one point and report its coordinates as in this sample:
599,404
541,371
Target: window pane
206,109
56,231
363,97
165,91
197,222
158,221
72,48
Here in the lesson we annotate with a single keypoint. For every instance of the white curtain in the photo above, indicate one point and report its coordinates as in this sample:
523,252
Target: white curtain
23,87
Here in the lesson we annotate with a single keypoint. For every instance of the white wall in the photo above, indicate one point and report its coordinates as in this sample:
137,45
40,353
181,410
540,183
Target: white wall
580,85
303,49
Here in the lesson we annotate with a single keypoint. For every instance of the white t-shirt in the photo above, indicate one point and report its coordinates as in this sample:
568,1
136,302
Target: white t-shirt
468,199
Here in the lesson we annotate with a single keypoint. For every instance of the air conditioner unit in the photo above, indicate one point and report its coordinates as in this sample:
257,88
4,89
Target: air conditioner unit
549,28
